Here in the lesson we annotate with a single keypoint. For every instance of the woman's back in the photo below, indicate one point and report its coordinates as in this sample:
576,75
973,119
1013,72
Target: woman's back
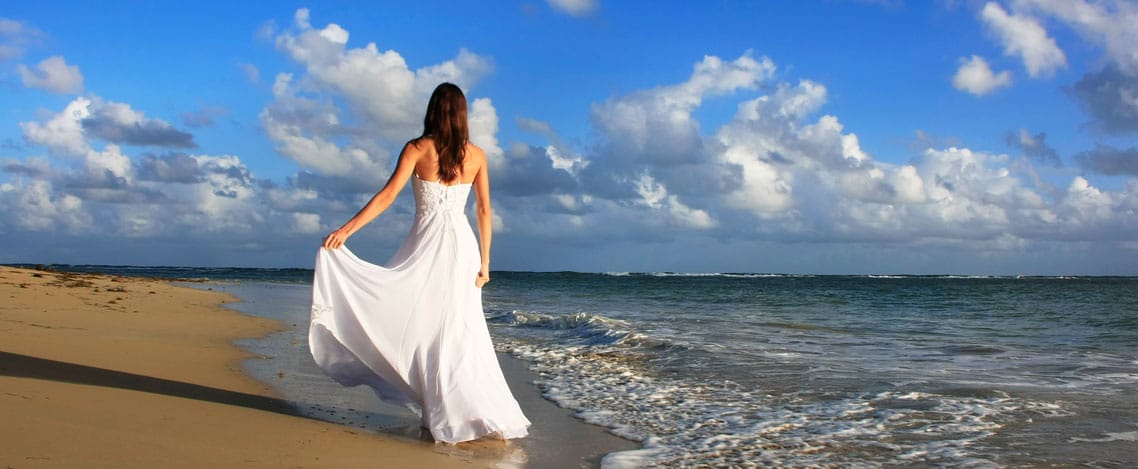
427,166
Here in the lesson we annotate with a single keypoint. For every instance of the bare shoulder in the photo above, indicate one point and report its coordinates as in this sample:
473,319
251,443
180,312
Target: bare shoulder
475,152
417,150
420,144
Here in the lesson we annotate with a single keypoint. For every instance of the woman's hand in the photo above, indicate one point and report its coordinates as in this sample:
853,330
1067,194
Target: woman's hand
336,239
483,277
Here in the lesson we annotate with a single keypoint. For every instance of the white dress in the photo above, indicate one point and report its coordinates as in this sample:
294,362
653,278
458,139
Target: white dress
414,330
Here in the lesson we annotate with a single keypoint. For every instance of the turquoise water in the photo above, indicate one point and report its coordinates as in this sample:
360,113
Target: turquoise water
752,369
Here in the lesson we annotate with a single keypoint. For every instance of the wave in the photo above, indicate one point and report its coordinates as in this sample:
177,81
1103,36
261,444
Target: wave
702,274
689,421
581,328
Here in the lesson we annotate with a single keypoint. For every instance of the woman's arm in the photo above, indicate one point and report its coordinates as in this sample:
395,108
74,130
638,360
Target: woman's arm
485,218
381,200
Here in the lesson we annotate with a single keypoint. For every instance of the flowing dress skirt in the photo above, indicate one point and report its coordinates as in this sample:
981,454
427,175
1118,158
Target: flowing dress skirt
414,330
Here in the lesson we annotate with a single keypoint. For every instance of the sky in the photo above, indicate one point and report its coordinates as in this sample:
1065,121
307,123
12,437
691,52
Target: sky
812,137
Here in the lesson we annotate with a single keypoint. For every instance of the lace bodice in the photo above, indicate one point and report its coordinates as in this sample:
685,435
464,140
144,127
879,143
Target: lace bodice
431,197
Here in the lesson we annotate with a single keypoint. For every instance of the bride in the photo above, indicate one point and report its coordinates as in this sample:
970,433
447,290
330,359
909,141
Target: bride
413,329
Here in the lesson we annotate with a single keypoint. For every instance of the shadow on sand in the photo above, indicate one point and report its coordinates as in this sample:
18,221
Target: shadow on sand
24,366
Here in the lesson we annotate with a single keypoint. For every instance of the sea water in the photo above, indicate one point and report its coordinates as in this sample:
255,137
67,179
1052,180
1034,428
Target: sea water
781,370
742,369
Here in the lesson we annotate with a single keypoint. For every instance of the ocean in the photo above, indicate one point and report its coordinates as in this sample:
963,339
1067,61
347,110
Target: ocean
791,370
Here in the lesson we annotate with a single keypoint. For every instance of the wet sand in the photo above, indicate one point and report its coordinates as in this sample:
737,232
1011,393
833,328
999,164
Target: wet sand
556,439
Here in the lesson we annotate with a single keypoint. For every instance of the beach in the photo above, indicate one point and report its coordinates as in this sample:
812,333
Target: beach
109,371
614,369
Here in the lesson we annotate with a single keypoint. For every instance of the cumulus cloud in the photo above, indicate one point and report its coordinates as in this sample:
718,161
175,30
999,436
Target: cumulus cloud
355,107
782,171
1109,160
1109,94
483,126
648,178
119,123
574,7
306,131
91,117
175,167
54,75
1034,146
89,186
1023,36
785,173
62,133
35,206
1109,23
657,125
378,86
976,77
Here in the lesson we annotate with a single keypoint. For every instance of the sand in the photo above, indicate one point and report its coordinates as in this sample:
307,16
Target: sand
556,439
100,371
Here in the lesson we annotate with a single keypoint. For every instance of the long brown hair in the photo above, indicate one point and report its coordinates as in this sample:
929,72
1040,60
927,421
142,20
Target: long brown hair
445,123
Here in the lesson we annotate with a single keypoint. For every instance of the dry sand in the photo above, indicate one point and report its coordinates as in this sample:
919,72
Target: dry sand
100,371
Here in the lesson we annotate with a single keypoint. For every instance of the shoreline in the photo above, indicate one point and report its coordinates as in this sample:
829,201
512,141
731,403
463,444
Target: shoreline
556,439
108,371
121,371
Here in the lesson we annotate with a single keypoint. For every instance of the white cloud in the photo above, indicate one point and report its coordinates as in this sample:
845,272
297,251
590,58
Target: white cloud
334,34
110,162
780,173
1087,206
1023,36
655,196
483,125
1109,94
974,76
307,223
574,7
657,125
35,206
104,193
119,123
1110,23
63,133
54,75
91,117
570,163
378,86
344,118
16,37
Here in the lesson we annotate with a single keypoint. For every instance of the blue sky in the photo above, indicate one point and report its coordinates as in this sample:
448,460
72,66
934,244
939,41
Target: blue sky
827,136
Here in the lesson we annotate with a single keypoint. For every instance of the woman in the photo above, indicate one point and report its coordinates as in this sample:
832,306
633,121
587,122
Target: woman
414,330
